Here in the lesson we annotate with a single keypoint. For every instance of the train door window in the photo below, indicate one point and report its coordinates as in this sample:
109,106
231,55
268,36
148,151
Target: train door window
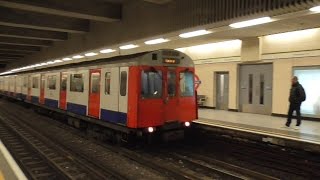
186,84
64,83
52,80
171,83
123,83
76,83
107,83
35,82
151,84
250,88
25,82
95,82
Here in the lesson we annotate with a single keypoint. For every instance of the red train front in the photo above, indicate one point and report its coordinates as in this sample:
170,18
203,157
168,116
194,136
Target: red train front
161,92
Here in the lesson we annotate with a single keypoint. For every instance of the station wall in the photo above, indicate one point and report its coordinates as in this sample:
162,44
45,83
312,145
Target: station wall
284,51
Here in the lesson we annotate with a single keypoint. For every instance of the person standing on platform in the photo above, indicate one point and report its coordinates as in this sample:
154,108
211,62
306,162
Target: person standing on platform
297,96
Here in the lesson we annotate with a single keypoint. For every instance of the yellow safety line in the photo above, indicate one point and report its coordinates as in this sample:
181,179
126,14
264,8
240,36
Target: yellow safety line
1,176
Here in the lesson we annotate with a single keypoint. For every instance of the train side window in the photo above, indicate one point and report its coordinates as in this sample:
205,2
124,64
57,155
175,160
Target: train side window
107,83
52,80
76,83
35,82
151,84
95,82
186,84
25,82
123,83
64,82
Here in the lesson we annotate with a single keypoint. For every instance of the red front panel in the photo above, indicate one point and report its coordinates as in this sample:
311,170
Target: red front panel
133,96
63,91
172,105
42,86
94,93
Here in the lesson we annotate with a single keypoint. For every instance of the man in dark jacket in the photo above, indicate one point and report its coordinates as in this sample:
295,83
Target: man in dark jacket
297,96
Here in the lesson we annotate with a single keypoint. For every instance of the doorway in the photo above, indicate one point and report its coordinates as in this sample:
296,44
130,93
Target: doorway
256,88
222,90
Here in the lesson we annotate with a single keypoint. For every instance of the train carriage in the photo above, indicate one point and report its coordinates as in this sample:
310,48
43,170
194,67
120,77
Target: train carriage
134,94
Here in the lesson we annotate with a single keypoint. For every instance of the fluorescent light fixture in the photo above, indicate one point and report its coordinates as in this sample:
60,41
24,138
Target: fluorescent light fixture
315,9
50,62
194,33
77,57
43,64
37,65
104,51
252,22
57,61
156,41
67,59
293,36
129,46
91,54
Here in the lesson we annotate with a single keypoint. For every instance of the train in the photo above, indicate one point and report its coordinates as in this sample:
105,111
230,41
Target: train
137,95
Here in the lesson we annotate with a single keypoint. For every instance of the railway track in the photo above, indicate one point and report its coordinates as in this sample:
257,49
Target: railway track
168,163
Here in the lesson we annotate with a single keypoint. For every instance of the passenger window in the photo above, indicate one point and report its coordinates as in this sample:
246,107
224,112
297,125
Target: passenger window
64,82
151,84
95,82
76,83
186,84
52,80
35,82
107,83
123,83
172,84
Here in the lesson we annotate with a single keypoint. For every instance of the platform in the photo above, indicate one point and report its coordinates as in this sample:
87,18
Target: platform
9,170
269,128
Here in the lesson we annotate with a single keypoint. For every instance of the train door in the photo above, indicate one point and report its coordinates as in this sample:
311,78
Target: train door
94,93
123,95
171,99
42,86
63,91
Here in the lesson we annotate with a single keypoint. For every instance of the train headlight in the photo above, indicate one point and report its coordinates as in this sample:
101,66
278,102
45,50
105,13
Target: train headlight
150,129
187,124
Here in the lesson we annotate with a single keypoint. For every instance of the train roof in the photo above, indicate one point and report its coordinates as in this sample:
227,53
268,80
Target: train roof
150,58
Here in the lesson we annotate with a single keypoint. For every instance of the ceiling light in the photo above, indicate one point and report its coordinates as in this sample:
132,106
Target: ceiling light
252,22
37,65
67,59
50,62
129,46
42,64
77,57
57,61
315,9
107,51
91,54
156,41
194,33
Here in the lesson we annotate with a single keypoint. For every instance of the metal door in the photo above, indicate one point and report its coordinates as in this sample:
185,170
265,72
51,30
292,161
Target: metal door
256,88
29,89
222,91
94,93
42,86
63,91
171,99
123,95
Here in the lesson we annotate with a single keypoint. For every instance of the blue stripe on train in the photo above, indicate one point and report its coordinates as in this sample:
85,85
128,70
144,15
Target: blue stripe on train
77,108
115,117
35,99
51,103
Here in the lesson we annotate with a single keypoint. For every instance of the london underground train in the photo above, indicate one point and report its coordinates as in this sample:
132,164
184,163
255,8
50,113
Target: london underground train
134,95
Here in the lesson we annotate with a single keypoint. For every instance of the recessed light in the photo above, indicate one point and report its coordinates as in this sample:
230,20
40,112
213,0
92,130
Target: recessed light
252,22
107,51
129,46
194,33
91,54
156,41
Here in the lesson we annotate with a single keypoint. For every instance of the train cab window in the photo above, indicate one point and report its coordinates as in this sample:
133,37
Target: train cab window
52,80
64,82
35,82
123,83
107,83
76,83
95,82
151,84
171,83
186,84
